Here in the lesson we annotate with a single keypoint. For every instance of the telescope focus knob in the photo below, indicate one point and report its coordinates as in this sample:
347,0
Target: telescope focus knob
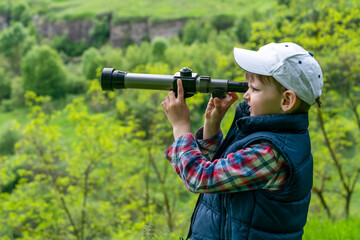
185,72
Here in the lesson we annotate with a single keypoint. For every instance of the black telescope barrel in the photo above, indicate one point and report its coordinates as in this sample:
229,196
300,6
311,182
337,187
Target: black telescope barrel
112,79
237,86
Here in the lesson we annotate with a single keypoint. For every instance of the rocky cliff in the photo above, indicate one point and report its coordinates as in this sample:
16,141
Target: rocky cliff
139,30
78,30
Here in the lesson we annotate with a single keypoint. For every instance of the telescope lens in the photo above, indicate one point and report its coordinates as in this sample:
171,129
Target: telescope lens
112,79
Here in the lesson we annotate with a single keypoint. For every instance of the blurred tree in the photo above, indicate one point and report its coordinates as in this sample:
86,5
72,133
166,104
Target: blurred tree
20,12
190,32
43,72
242,28
222,21
71,48
12,40
91,61
5,84
159,46
100,32
137,55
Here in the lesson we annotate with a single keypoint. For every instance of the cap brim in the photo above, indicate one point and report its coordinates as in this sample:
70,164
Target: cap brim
251,61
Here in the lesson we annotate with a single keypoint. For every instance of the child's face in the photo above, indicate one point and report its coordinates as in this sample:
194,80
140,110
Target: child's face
263,98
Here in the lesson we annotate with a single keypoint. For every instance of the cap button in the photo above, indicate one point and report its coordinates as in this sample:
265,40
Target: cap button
311,54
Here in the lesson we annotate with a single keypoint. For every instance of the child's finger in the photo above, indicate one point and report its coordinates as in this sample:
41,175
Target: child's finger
171,96
217,102
180,89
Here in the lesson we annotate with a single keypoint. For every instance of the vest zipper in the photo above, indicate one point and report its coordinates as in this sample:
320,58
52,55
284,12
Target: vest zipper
223,217
229,222
226,217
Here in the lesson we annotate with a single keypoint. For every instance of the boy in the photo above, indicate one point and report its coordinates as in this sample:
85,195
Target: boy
256,183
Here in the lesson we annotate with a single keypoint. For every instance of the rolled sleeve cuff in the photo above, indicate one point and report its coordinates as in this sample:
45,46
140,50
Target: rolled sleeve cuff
208,146
180,146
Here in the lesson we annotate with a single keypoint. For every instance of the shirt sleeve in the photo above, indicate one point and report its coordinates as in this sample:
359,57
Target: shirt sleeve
209,146
258,166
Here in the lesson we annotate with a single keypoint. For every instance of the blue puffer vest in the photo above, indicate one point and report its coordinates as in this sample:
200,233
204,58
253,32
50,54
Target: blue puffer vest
261,214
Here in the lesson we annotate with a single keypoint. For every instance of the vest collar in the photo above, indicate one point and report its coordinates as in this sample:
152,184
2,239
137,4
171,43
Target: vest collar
294,123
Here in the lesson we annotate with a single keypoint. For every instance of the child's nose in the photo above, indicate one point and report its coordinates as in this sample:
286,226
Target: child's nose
246,95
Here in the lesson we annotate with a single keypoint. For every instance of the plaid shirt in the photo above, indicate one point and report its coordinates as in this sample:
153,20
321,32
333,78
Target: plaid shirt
258,166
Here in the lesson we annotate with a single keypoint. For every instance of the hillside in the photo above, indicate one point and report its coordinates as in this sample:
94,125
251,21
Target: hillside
156,10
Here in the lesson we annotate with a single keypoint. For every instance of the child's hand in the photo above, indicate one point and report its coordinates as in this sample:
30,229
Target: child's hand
177,111
215,112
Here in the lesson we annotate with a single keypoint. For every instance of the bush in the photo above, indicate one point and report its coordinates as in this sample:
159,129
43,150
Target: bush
137,55
77,85
8,138
7,105
242,29
21,13
100,31
5,88
197,31
190,32
71,48
43,72
113,57
17,92
159,46
11,44
222,22
91,61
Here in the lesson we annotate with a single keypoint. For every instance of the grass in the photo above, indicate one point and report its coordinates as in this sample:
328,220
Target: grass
18,114
325,229
156,9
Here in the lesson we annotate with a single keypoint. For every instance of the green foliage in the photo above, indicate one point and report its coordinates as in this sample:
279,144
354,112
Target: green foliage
11,44
100,32
5,80
93,187
91,61
20,12
197,31
43,72
113,56
190,32
137,55
222,21
242,29
159,46
160,10
8,137
71,48
17,92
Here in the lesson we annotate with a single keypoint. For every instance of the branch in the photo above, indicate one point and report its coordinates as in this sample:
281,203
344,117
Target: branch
53,181
86,190
355,180
322,200
331,150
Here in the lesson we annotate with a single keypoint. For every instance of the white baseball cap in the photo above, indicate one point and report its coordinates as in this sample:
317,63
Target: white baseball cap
291,65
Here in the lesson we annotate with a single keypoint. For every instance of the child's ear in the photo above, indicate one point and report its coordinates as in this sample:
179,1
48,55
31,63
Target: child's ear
288,101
